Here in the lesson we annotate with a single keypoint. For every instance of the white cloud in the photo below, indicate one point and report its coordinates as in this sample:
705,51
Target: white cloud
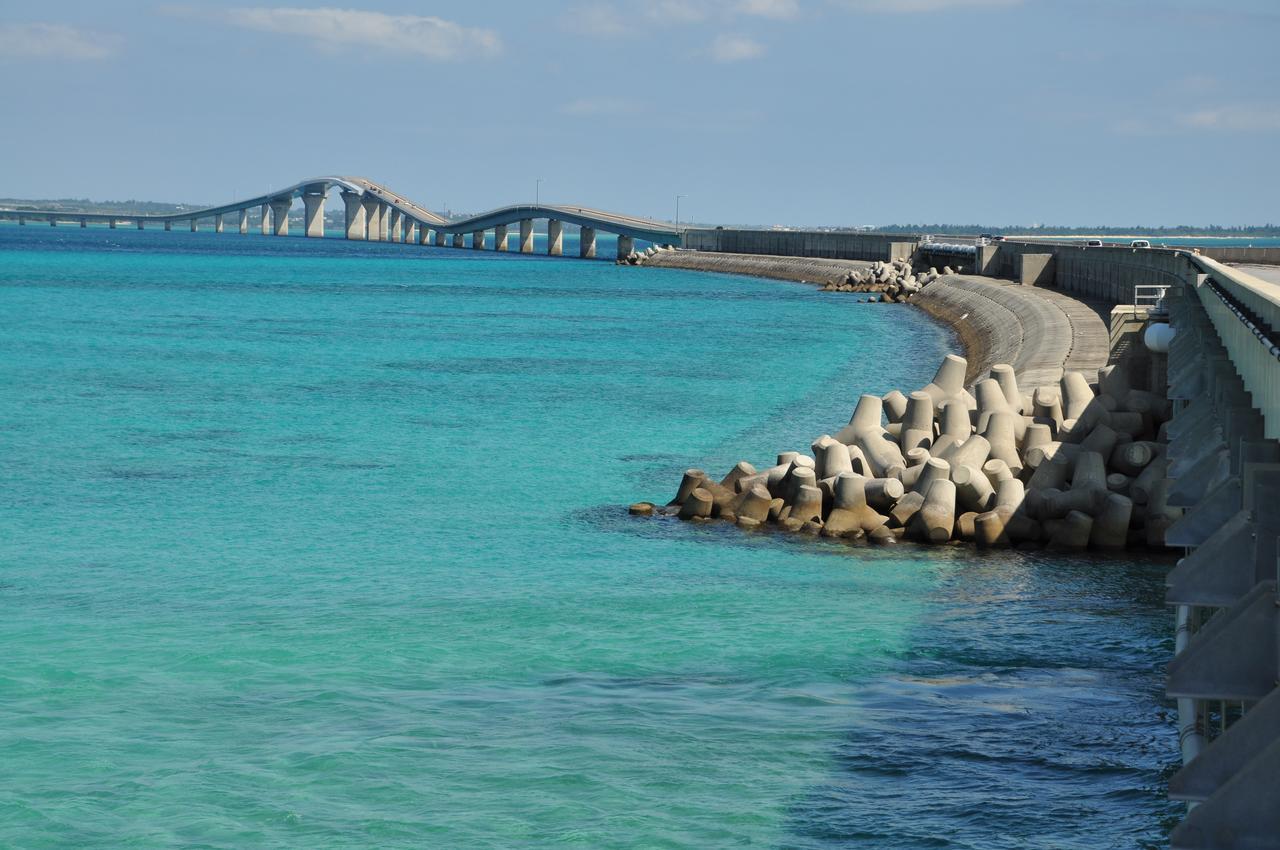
1238,118
53,41
429,37
770,8
914,6
735,48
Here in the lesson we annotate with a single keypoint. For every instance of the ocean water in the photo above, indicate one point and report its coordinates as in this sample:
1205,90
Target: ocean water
316,544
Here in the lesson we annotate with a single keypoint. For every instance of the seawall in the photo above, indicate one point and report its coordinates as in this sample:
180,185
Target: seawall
1041,333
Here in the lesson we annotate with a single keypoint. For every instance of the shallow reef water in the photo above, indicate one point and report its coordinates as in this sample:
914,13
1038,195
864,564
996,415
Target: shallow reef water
309,543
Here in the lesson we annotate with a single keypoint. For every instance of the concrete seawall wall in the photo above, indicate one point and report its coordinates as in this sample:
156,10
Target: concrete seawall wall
1107,273
803,243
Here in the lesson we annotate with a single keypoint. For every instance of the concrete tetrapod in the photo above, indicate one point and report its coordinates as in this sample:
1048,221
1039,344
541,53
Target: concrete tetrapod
895,405
973,489
948,382
917,424
935,522
698,505
1004,375
851,514
1000,433
1111,524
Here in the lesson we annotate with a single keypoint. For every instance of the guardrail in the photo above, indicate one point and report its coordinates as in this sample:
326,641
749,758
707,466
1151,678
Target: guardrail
1246,313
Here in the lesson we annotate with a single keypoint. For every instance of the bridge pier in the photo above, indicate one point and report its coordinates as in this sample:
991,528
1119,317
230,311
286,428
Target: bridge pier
477,240
280,215
410,231
526,236
354,204
626,245
397,224
424,234
500,237
84,222
217,223
264,224
53,222
459,240
140,223
555,238
587,248
373,218
244,222
439,238
313,214
168,226
22,221
195,225
113,224
384,219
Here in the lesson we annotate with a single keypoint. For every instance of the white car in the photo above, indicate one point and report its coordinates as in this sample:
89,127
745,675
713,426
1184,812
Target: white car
1140,243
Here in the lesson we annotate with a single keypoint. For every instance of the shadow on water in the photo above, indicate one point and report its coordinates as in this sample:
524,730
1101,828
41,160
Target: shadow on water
1028,711
1026,708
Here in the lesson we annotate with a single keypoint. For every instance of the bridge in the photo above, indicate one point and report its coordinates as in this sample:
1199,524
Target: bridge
377,213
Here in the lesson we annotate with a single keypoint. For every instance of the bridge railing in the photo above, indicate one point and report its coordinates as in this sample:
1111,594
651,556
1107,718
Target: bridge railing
1246,314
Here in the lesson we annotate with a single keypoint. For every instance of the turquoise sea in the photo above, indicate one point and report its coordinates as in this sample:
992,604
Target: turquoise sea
318,544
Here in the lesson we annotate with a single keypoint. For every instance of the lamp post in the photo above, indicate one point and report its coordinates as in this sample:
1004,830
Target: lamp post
537,192
678,197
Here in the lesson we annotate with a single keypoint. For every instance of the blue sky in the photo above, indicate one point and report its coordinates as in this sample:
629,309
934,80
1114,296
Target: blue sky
799,112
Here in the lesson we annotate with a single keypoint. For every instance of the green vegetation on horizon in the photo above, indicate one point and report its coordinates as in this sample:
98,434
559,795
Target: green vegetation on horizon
1266,230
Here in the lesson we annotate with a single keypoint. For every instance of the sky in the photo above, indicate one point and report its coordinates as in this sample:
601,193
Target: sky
795,112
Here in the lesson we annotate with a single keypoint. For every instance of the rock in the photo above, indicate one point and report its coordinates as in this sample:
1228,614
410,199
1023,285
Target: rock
642,509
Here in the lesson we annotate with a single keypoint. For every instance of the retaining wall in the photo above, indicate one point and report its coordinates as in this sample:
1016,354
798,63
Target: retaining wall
803,243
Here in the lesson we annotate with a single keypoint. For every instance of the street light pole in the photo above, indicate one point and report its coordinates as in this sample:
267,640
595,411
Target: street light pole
678,197
537,192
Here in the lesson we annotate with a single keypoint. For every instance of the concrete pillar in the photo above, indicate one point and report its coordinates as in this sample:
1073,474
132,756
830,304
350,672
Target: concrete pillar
477,240
384,219
113,224
373,218
280,215
195,225
313,214
526,236
555,237
168,226
625,246
84,222
410,230
500,237
439,238
53,222
459,240
396,227
265,224
217,224
140,223
354,204
22,221
244,222
424,234
587,249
